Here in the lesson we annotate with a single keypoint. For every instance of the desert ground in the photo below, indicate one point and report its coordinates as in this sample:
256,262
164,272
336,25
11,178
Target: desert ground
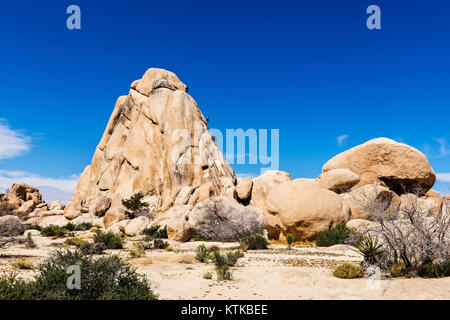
304,272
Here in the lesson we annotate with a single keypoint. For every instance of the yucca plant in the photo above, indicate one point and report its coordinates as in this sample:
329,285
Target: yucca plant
369,248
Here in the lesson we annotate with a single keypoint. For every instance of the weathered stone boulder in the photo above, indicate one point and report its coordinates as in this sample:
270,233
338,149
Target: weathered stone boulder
101,207
71,214
56,205
57,220
112,217
244,188
359,199
427,206
437,199
362,225
119,226
21,193
26,208
136,226
156,142
176,220
397,166
83,218
302,209
263,184
337,180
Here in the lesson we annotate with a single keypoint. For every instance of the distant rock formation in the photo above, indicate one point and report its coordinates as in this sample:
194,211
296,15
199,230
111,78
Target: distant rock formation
23,198
156,142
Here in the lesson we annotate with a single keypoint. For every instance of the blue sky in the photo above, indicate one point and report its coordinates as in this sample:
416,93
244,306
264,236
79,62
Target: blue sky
308,68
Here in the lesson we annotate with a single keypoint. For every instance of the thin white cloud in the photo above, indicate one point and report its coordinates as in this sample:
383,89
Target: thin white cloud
341,139
443,177
13,143
62,187
443,151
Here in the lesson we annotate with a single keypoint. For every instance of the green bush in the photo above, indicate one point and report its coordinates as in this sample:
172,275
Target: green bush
233,257
224,273
92,248
398,269
155,232
78,227
202,253
110,240
348,271
337,235
160,244
446,268
208,276
369,248
107,278
254,240
218,259
430,270
32,227
289,239
53,231
134,204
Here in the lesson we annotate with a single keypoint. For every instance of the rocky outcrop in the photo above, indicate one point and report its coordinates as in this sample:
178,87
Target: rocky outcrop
156,142
397,166
23,198
302,209
337,180
244,188
263,184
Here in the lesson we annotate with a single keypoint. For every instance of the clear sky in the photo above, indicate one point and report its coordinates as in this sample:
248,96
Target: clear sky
311,69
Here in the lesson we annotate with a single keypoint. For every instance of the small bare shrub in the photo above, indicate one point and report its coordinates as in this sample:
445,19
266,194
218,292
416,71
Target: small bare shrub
221,221
410,233
10,226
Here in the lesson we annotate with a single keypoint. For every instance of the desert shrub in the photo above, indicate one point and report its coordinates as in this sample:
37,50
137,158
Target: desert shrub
53,231
78,227
222,221
74,242
109,239
137,253
233,257
254,239
23,264
289,239
202,253
370,249
218,259
92,248
10,227
155,232
107,278
411,233
32,227
5,208
160,244
429,270
446,268
224,273
135,205
398,269
14,288
337,235
208,276
348,271
29,242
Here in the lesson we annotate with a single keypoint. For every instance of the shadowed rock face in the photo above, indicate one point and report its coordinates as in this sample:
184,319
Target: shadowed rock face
156,142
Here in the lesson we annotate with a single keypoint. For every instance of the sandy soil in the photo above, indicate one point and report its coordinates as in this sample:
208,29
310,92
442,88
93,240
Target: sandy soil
305,272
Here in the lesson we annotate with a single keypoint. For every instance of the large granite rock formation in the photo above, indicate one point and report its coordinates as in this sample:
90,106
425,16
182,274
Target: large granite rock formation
397,166
156,142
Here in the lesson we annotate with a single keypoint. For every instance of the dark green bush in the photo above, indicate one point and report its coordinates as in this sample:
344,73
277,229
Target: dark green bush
233,257
134,204
254,240
160,244
109,239
32,227
92,248
430,270
348,271
224,273
445,266
218,259
78,227
155,232
202,253
334,236
53,231
106,278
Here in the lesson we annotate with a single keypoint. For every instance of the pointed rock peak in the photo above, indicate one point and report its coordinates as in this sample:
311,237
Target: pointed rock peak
155,78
